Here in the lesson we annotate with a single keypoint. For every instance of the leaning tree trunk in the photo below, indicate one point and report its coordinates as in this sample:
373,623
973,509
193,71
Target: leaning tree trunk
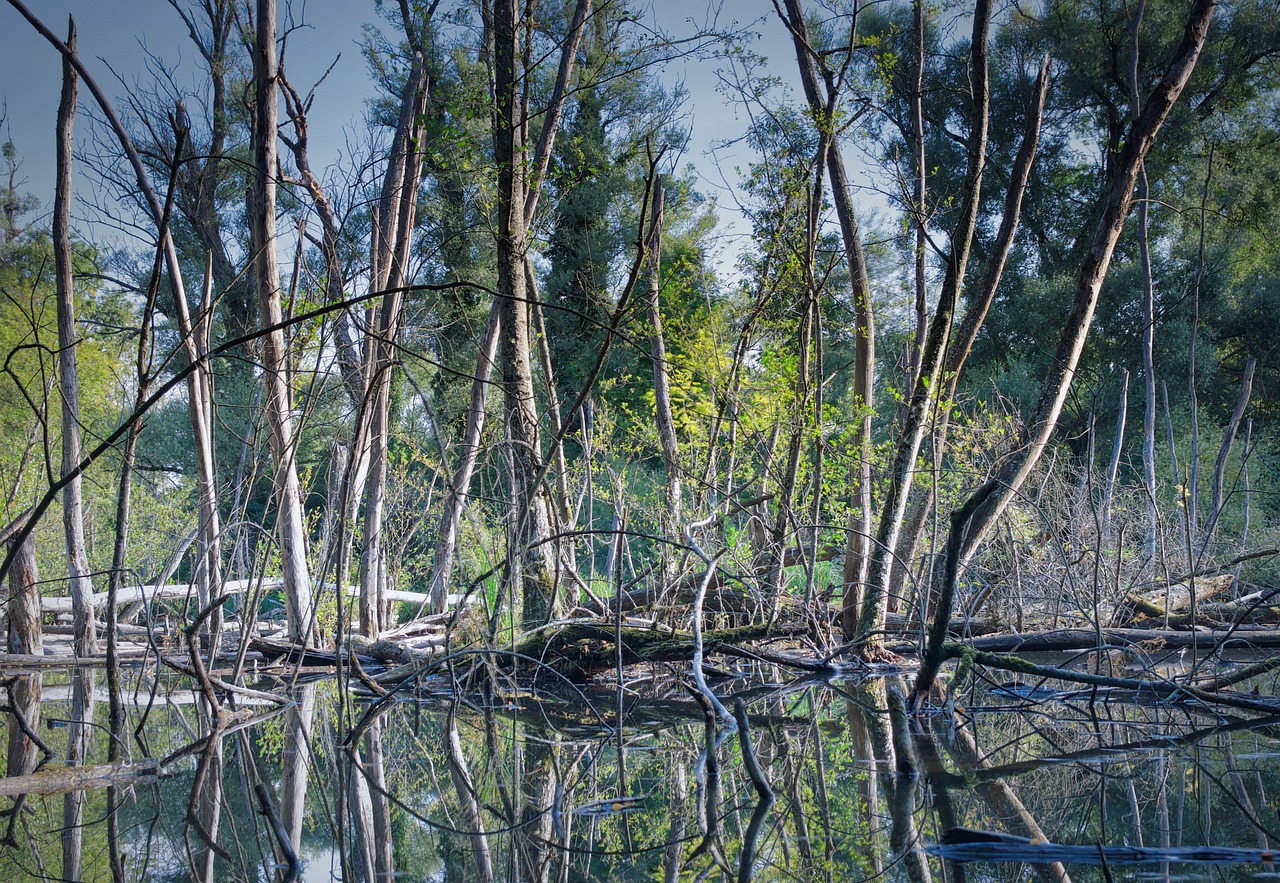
197,383
291,526
979,304
396,212
1119,198
1217,497
85,630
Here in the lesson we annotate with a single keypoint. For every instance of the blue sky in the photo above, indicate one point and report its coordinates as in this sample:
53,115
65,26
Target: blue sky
116,37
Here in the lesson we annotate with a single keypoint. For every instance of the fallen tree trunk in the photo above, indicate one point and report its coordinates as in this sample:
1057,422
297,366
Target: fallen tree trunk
1085,639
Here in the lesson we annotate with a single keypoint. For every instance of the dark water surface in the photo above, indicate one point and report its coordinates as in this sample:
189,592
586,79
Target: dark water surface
455,781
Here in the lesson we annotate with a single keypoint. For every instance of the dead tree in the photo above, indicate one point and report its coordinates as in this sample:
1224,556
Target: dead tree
86,633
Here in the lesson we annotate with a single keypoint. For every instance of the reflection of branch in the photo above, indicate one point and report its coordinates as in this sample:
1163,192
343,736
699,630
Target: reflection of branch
21,720
747,860
1115,752
277,828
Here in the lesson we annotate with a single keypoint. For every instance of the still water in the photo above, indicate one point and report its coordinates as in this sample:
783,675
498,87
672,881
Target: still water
483,780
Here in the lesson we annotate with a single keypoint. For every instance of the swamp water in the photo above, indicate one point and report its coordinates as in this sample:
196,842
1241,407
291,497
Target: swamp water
593,783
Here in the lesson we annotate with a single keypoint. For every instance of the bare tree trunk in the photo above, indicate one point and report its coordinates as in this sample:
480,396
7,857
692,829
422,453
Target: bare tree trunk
1148,305
396,213
86,636
1113,465
24,637
24,598
291,525
979,304
197,384
1137,143
919,211
460,484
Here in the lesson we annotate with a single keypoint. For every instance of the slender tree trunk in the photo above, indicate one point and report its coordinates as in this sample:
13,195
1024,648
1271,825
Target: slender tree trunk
1113,465
919,211
1218,492
1148,305
979,304
197,384
459,486
86,635
662,386
397,211
291,525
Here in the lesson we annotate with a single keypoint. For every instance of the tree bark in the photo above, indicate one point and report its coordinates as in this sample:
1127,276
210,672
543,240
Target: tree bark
396,214
661,384
24,632
291,525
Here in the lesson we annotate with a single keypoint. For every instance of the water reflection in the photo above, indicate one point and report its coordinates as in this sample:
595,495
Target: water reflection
821,782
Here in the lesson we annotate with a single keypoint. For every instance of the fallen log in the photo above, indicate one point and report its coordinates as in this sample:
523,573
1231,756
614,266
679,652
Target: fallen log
1172,599
969,845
